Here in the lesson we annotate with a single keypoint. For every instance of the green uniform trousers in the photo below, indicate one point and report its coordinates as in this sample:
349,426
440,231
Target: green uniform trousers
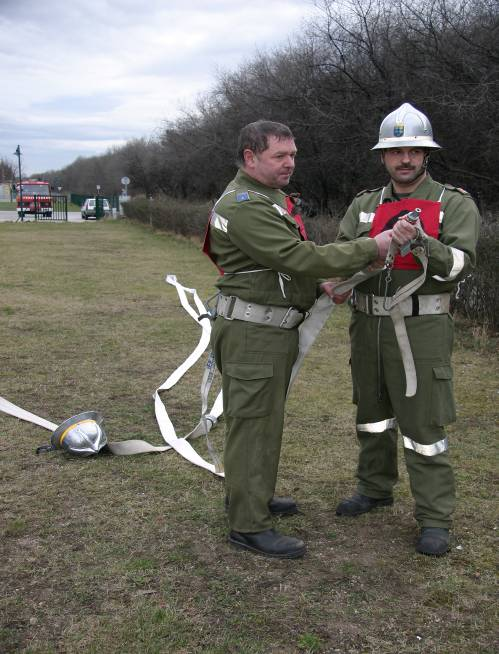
255,362
379,393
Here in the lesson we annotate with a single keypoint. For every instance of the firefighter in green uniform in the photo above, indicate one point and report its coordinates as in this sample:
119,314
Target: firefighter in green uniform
450,221
269,280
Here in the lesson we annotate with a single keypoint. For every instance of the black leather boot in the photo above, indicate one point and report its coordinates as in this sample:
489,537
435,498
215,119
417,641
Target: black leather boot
269,543
358,504
433,541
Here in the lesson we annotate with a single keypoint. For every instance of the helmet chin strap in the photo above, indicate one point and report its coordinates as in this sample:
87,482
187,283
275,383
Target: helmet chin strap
424,166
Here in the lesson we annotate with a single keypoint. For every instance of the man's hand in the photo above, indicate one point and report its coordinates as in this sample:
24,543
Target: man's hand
403,231
383,240
328,288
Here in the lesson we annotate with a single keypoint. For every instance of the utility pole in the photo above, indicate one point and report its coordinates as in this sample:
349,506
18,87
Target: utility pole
18,154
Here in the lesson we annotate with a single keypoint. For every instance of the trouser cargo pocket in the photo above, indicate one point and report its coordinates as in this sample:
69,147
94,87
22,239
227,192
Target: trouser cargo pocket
443,409
248,389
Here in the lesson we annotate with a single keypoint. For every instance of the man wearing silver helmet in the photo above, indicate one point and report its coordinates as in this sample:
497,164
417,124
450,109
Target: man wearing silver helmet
401,348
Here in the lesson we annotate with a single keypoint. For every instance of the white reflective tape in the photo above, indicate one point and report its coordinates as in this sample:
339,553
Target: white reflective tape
218,222
280,210
366,217
457,266
378,427
426,450
441,217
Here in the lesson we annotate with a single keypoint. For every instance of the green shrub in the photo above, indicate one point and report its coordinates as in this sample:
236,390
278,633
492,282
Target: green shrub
170,214
477,297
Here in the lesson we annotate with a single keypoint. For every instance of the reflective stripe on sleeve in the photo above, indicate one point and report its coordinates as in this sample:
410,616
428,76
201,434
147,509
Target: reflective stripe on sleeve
457,266
218,222
378,427
426,450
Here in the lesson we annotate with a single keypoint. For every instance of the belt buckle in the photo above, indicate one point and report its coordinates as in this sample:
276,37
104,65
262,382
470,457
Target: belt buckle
370,304
230,307
284,321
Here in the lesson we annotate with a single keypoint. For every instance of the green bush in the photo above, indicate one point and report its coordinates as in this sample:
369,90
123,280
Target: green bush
170,214
477,297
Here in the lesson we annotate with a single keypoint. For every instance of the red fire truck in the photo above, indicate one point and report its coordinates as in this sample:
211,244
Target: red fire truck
36,198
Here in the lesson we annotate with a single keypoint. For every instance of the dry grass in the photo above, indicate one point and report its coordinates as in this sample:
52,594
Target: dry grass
128,554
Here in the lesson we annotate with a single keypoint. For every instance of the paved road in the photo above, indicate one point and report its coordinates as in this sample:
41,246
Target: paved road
11,216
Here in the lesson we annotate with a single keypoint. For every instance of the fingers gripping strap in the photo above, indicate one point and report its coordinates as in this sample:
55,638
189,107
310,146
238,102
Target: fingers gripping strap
354,280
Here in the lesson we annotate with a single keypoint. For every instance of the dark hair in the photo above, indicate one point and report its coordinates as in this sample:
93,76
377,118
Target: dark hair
254,137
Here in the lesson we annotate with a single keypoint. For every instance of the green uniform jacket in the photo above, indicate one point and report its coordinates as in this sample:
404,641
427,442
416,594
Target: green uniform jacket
250,230
458,234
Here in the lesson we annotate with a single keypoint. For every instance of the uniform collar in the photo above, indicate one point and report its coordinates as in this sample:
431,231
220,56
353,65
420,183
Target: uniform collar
422,192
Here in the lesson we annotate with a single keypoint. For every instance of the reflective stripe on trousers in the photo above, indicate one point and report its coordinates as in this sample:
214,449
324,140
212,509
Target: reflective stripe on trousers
409,443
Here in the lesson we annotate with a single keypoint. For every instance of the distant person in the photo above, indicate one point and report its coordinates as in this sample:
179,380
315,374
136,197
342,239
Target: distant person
269,274
381,360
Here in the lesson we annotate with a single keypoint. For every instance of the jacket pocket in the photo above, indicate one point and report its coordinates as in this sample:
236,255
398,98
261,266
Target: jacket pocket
443,408
249,389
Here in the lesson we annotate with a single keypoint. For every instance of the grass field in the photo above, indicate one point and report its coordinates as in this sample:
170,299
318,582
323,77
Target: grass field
128,554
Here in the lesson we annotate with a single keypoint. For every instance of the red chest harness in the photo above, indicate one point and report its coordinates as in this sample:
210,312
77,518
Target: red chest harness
386,216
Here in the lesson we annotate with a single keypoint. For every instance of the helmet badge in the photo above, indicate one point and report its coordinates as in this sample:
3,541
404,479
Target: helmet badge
398,129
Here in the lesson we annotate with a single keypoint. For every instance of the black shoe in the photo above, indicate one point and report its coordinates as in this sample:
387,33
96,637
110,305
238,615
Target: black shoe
277,505
433,541
357,504
282,506
270,543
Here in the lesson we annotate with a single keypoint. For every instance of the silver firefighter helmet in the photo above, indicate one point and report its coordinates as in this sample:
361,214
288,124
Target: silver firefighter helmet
405,127
82,434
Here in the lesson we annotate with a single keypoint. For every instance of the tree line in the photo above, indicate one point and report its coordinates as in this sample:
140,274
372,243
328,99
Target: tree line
332,84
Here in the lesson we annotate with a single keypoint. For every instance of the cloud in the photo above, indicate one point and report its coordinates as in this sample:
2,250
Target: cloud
94,72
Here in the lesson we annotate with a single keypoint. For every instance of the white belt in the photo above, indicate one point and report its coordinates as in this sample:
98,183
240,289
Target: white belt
415,305
231,307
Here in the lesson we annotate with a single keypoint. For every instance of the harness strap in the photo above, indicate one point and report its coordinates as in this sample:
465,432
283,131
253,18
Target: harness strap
391,305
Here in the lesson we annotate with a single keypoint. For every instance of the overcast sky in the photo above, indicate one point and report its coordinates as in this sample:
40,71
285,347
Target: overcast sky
79,76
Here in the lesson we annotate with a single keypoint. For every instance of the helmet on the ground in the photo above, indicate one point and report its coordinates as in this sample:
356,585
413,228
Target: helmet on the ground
82,434
405,127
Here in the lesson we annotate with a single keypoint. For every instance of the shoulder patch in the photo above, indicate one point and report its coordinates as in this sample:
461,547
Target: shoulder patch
369,190
456,188
242,197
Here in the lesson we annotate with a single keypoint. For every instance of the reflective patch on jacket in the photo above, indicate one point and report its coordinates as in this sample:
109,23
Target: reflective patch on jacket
218,222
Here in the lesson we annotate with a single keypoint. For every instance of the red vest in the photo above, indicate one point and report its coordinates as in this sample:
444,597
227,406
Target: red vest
387,214
292,210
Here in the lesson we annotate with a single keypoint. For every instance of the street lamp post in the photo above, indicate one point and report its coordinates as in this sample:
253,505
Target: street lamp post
18,154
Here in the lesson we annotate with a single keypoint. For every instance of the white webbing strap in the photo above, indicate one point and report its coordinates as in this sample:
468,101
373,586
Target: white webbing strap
13,410
181,445
121,447
308,332
393,307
